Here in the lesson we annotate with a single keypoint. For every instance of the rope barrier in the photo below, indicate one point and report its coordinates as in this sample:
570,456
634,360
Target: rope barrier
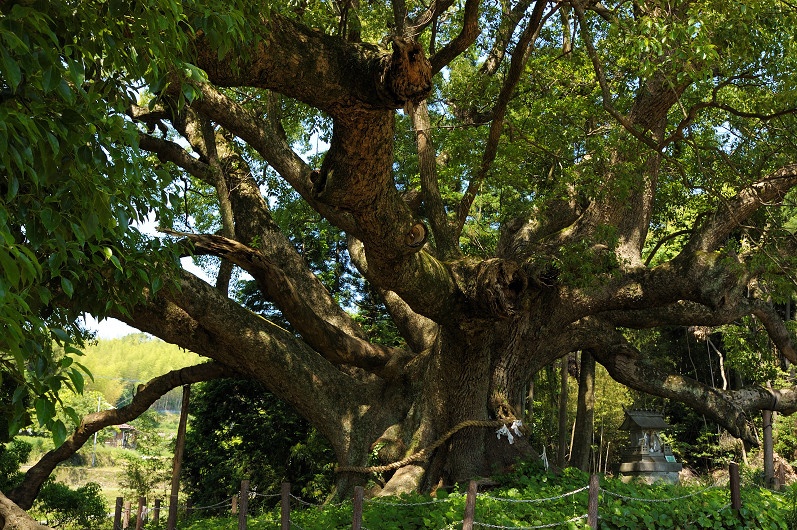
222,503
530,501
264,495
424,453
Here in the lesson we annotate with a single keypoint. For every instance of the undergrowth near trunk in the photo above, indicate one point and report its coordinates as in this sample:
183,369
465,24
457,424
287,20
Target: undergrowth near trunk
530,497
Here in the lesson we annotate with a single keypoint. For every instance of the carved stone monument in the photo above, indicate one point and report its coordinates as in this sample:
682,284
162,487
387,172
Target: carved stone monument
647,458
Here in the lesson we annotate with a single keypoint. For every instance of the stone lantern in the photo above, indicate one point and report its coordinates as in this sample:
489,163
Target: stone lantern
646,457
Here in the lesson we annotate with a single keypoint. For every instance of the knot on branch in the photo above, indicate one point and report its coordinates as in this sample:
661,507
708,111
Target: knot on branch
406,75
499,284
417,236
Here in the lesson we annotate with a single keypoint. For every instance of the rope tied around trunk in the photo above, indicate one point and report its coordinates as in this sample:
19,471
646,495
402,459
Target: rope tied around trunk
424,453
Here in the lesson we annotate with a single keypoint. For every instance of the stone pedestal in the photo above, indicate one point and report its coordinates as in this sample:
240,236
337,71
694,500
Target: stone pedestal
649,468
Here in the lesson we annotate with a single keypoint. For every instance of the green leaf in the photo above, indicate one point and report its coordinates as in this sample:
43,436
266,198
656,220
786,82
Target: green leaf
45,410
10,268
50,219
13,187
77,380
72,415
61,335
10,69
67,286
51,77
59,432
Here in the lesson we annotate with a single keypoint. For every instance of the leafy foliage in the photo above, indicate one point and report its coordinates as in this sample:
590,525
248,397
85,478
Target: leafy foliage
239,431
12,455
83,508
72,186
692,507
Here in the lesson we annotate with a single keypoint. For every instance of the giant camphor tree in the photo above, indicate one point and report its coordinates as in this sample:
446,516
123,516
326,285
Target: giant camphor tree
516,180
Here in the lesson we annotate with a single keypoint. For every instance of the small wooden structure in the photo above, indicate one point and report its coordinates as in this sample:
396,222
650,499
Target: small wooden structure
647,458
124,437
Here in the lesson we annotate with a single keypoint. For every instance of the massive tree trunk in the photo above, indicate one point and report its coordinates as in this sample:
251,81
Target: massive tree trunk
585,418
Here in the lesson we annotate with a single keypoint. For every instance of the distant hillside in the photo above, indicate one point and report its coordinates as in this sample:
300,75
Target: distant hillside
120,365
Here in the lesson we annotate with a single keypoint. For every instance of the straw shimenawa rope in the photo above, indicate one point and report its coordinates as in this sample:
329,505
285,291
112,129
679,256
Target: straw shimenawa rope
424,453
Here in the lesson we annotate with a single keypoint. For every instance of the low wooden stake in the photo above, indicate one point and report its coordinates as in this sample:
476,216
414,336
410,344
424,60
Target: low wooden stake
357,510
244,504
470,506
117,514
285,505
736,493
592,507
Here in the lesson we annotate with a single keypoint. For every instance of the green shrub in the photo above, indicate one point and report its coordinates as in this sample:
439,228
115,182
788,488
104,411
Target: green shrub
12,455
83,508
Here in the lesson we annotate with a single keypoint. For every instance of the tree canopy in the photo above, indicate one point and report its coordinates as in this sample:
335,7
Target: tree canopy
429,203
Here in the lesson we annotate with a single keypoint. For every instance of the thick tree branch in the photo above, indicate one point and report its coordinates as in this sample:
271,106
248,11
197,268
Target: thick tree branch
728,408
776,329
507,27
520,57
681,313
444,239
732,213
252,219
330,341
12,517
627,124
199,318
626,366
470,30
415,27
419,331
326,72
168,151
520,238
263,135
24,494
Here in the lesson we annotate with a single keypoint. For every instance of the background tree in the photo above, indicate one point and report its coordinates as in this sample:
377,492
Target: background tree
240,430
515,183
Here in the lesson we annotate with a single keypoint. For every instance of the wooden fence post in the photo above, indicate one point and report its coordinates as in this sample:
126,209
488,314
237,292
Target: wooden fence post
357,509
780,477
140,513
177,463
126,516
156,512
285,505
470,506
244,504
736,494
117,514
592,507
234,505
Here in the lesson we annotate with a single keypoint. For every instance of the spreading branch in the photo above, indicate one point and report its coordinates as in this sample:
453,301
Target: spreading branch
335,345
466,37
148,393
732,213
520,57
196,316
